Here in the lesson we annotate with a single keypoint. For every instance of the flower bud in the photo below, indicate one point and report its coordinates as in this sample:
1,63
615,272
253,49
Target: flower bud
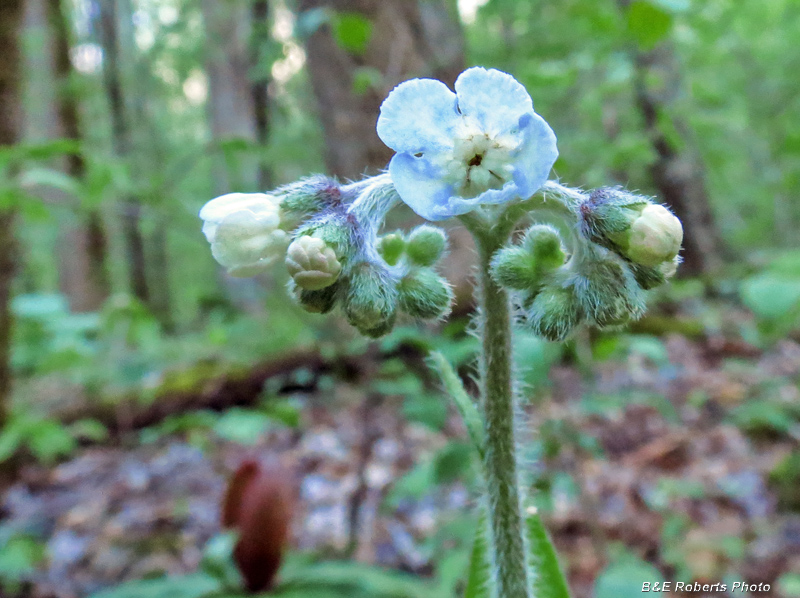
244,231
307,197
649,278
316,302
646,233
654,237
335,231
554,313
607,292
515,268
312,264
524,267
544,243
424,294
370,302
391,247
425,245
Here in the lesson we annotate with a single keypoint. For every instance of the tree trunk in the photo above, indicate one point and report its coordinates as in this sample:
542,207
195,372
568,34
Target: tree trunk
10,117
409,38
261,78
117,40
678,175
232,101
82,269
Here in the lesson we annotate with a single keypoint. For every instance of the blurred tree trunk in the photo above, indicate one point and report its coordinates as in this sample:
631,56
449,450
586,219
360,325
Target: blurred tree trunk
260,41
409,38
11,12
232,96
677,173
82,269
116,26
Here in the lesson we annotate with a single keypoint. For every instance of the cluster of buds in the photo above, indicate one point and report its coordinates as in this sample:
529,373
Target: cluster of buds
331,262
326,234
249,232
625,245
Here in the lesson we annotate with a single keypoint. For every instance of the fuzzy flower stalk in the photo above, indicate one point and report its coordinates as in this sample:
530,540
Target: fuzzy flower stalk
480,154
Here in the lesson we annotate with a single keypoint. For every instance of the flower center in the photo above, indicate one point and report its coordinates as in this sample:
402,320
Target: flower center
480,162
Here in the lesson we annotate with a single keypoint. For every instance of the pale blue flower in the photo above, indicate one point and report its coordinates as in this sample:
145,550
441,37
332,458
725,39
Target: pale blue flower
483,144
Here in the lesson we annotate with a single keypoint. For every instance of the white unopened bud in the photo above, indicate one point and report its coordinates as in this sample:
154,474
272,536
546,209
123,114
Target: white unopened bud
654,237
312,264
244,231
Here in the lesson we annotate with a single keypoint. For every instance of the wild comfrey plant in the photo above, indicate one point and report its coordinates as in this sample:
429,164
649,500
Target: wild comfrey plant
481,155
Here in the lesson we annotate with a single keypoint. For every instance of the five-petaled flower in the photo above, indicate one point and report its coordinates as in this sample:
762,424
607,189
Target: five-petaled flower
483,144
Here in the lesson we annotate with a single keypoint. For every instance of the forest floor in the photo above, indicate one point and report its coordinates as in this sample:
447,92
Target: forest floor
687,459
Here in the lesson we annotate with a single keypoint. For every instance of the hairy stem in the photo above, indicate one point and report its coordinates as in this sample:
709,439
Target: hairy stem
500,465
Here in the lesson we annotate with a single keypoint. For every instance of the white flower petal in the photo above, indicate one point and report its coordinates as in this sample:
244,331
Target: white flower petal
536,156
218,208
421,185
419,116
492,98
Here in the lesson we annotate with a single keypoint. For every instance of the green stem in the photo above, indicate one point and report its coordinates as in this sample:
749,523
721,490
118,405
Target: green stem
500,464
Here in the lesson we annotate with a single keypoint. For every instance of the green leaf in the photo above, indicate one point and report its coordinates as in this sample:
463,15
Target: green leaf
648,23
354,580
48,177
624,578
49,440
549,581
469,412
10,441
366,78
89,429
479,575
789,585
242,426
19,557
352,31
771,296
196,585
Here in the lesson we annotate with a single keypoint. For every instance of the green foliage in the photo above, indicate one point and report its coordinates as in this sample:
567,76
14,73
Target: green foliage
466,407
785,479
774,294
479,575
46,439
198,585
20,554
648,23
300,577
624,577
788,585
549,581
352,31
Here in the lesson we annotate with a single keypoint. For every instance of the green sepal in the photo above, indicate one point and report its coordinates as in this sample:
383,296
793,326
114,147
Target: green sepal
424,294
370,300
608,293
554,313
316,302
515,268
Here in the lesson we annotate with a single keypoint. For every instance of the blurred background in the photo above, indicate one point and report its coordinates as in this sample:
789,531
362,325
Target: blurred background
135,375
